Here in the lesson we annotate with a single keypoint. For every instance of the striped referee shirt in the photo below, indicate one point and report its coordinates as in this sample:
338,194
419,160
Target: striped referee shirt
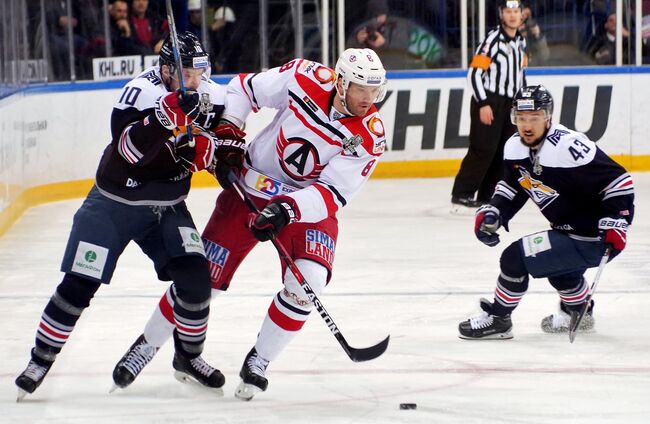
498,66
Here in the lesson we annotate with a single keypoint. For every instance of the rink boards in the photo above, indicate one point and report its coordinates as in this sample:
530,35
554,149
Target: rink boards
52,136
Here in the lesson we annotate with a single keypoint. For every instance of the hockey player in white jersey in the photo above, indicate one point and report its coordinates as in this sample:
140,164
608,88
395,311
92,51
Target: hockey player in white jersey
587,198
309,162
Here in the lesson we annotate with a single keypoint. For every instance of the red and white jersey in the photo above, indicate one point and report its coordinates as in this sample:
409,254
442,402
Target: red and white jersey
310,152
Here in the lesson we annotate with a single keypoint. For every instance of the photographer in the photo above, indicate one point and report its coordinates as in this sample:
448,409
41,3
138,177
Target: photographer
364,23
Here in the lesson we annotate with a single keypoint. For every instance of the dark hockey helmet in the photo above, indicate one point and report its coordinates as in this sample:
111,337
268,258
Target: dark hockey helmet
531,98
510,4
193,55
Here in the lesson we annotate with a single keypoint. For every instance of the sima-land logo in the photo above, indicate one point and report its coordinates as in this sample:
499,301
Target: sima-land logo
90,256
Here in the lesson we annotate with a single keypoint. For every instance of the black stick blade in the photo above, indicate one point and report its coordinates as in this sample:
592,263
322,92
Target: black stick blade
368,353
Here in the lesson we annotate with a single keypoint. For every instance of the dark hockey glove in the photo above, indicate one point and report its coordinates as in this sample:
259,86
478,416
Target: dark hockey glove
279,212
614,233
231,148
198,157
174,110
486,224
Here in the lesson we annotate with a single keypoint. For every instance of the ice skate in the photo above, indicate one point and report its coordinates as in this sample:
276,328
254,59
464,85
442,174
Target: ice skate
560,320
132,363
252,375
464,206
32,377
486,326
198,373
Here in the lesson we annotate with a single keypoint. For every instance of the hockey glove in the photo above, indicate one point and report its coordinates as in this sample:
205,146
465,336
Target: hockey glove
174,110
486,224
614,233
199,157
231,148
279,212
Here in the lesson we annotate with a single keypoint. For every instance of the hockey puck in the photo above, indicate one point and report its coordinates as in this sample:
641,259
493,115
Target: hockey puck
408,406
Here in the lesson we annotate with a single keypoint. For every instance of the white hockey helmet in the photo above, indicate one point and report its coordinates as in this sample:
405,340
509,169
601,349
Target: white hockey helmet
363,67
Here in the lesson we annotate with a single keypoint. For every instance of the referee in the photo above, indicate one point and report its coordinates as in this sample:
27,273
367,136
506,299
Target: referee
495,75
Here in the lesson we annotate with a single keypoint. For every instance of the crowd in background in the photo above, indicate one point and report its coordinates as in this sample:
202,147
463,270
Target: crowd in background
407,34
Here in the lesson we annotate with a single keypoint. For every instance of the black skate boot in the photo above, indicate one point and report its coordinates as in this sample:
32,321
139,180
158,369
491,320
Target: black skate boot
560,320
32,377
133,362
486,325
464,205
198,372
252,375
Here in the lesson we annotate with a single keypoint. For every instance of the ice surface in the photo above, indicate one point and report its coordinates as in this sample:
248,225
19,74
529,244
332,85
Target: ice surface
404,267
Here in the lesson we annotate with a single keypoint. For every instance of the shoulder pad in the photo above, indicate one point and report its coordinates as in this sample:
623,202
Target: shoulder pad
574,149
514,149
140,93
317,72
217,92
375,137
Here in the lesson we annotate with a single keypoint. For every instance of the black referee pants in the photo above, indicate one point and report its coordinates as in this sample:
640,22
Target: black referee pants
482,167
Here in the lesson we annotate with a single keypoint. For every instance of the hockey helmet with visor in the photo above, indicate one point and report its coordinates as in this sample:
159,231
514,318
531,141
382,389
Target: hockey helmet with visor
531,98
363,67
192,53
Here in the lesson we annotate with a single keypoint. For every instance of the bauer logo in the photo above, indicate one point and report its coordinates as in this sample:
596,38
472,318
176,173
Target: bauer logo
90,260
319,244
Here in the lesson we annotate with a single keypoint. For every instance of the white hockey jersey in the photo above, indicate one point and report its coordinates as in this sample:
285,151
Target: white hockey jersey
310,152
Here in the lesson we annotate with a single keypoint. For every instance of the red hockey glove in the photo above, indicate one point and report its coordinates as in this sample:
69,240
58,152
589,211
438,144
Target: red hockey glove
486,224
231,148
614,233
279,212
174,110
199,157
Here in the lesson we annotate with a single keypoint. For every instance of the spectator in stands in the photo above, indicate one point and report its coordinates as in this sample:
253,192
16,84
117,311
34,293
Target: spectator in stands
121,35
596,12
536,45
603,47
364,23
228,33
148,29
195,18
58,24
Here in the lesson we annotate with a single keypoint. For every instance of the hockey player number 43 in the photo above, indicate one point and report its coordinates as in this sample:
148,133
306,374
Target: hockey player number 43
575,152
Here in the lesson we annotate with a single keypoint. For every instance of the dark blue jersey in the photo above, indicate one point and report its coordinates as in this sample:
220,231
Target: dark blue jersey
569,178
139,167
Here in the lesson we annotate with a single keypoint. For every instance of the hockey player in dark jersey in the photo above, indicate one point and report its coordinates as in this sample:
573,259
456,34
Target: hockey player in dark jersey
142,181
587,198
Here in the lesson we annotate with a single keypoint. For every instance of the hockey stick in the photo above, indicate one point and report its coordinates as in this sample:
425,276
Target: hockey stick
357,355
576,317
177,59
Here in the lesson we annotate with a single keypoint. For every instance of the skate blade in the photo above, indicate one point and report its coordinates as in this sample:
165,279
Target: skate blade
190,381
564,330
246,392
21,395
500,336
586,326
